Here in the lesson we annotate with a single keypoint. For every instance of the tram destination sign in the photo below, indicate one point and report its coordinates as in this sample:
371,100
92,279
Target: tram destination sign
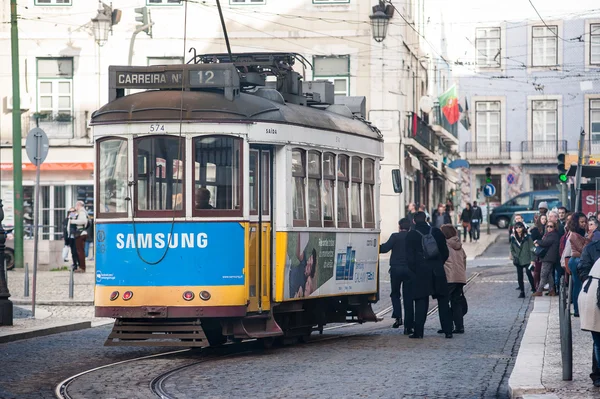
151,80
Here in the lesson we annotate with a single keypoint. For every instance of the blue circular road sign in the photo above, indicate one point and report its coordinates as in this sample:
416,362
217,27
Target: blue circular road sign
489,190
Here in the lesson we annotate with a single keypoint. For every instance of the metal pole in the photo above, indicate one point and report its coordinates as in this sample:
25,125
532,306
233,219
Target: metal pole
224,31
26,282
579,170
132,41
36,233
6,306
71,283
16,137
487,211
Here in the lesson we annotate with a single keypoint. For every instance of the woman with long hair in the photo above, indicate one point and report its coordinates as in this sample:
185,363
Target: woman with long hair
577,240
521,246
550,242
465,217
456,274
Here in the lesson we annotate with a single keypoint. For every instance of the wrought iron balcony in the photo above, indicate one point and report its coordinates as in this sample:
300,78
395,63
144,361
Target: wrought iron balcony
537,150
421,132
438,119
492,150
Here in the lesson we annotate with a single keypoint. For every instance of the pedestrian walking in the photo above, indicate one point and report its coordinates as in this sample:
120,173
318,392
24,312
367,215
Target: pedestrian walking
400,277
549,256
69,237
423,209
588,301
80,222
466,217
412,209
577,241
441,217
456,274
521,247
477,219
426,253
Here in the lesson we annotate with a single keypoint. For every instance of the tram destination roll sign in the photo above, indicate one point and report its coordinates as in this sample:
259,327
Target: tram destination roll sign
173,79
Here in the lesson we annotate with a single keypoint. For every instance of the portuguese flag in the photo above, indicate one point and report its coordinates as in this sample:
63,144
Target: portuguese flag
449,105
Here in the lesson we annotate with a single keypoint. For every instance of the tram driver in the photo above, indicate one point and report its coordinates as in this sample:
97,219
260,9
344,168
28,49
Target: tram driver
203,199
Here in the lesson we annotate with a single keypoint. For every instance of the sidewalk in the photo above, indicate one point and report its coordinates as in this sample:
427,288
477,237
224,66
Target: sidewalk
54,312
538,367
475,249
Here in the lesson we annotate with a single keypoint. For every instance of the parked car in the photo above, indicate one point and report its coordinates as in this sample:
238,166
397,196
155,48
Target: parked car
501,215
527,219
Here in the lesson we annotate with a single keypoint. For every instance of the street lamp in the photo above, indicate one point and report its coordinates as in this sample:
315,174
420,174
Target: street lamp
101,25
380,20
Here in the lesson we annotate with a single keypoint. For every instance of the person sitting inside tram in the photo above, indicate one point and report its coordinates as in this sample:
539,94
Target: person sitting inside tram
203,199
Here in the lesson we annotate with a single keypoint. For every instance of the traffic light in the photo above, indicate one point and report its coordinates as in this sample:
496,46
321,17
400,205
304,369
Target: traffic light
488,175
562,170
144,19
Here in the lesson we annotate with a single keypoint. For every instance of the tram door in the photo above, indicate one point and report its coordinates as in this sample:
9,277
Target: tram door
260,181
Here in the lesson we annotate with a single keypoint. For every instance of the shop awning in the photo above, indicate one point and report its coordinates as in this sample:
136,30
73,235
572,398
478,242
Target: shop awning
52,166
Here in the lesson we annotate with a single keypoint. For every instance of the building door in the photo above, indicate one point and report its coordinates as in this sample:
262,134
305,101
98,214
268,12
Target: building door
260,237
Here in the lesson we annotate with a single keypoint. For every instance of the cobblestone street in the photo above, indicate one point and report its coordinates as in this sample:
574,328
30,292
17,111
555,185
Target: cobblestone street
367,361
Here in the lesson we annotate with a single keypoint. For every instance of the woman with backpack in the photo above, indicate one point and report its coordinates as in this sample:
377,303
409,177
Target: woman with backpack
521,247
547,250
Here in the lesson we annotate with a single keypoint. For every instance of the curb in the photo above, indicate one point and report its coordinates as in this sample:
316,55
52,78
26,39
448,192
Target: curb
32,333
526,377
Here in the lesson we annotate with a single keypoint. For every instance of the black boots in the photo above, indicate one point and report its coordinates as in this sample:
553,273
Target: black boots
397,323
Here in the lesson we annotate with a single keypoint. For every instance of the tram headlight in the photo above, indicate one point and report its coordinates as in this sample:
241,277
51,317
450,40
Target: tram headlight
188,295
204,295
114,295
127,295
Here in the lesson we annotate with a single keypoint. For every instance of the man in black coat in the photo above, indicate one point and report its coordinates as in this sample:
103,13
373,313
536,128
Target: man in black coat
477,220
429,275
400,275
589,256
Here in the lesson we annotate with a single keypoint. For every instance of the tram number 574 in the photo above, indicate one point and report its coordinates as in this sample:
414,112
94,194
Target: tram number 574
156,128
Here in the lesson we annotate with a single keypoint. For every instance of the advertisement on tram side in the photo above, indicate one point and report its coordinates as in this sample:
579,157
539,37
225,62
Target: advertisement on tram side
321,264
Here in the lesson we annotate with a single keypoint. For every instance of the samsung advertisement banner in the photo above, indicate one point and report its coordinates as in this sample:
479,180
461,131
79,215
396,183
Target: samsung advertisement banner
320,264
192,254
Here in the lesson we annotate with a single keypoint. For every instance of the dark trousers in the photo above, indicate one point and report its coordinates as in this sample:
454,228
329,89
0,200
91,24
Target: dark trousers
71,243
80,245
558,272
475,228
400,276
537,271
456,291
444,313
467,230
421,306
595,356
576,286
520,270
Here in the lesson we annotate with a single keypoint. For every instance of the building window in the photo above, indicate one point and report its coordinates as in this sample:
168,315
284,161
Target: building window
298,197
55,89
330,1
545,120
237,2
355,188
595,44
487,117
595,120
52,2
165,61
369,193
335,69
160,174
163,2
342,191
544,44
328,189
542,182
112,173
217,178
487,44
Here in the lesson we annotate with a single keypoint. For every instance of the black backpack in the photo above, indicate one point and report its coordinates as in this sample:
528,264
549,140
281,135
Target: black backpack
430,247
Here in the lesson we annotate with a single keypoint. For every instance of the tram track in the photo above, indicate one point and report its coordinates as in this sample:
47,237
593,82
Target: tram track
157,384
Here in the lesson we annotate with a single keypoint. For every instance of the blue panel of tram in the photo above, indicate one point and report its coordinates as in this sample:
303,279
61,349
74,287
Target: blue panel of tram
196,254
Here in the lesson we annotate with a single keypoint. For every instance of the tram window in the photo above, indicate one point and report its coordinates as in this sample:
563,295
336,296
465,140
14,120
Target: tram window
298,197
328,189
342,191
314,189
217,177
369,193
160,174
253,182
112,173
266,182
355,191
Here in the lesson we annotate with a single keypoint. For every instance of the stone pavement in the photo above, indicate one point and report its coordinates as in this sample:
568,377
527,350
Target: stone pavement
538,368
55,311
475,249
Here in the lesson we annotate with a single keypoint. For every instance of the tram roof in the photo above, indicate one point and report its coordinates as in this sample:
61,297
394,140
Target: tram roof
212,107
